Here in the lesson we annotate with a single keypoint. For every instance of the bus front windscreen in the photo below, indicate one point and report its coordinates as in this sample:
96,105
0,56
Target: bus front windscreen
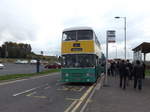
78,60
77,35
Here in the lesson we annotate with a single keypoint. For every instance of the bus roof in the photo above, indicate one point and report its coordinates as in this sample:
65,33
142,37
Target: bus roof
77,28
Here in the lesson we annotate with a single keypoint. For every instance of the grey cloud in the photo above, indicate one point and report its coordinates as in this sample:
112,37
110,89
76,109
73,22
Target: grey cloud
75,21
15,22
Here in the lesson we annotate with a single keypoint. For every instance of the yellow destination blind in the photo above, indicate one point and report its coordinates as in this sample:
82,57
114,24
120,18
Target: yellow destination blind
69,47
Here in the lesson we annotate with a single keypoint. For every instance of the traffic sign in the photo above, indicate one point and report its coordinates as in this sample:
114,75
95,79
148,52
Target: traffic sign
111,36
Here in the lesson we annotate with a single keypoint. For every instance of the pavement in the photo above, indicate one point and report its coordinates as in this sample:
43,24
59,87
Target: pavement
115,99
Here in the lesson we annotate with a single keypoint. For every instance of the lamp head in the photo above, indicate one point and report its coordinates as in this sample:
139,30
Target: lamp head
117,17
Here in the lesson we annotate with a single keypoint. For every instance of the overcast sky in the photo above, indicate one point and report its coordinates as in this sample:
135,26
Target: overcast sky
40,22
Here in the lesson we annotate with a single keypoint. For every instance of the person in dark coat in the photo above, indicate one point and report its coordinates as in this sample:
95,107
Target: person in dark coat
138,74
123,74
117,68
112,68
129,71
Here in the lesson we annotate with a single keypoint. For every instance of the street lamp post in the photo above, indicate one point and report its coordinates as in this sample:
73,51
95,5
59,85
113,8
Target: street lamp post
124,34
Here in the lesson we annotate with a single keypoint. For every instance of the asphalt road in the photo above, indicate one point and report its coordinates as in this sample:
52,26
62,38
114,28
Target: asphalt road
11,68
42,94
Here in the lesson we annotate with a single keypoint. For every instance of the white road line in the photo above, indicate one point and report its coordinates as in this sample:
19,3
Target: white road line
20,80
31,93
24,92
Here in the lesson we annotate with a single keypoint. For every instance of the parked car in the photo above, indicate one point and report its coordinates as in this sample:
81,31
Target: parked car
18,62
33,61
1,66
54,66
21,62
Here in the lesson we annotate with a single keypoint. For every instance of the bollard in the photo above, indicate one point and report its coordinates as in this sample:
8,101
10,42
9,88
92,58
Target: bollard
38,66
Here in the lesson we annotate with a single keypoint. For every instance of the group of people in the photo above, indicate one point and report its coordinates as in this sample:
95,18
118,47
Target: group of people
128,71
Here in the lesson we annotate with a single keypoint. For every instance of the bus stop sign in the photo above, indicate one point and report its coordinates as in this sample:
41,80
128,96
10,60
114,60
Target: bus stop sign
111,36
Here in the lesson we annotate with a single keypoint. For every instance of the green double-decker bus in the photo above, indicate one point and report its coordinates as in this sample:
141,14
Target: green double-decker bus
81,55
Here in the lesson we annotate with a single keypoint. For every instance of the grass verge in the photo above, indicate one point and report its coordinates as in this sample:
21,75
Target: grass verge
16,76
147,72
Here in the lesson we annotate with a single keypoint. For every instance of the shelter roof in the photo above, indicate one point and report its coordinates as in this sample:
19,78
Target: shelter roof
143,47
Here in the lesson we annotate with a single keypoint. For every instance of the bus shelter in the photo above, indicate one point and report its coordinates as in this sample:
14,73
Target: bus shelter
140,51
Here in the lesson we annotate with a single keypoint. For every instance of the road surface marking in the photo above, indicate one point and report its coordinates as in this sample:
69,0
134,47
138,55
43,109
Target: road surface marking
63,89
98,86
88,100
20,80
81,89
83,98
71,88
47,87
75,105
72,99
24,92
57,84
31,93
42,97
70,107
4,83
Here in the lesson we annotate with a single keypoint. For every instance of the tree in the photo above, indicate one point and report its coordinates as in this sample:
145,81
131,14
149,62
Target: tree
15,50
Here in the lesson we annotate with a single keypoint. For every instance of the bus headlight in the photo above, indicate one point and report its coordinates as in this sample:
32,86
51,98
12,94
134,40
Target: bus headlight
87,80
66,80
87,74
66,75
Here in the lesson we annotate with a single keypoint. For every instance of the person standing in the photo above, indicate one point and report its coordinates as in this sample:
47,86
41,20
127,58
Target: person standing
129,71
117,68
138,74
112,68
109,71
123,74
